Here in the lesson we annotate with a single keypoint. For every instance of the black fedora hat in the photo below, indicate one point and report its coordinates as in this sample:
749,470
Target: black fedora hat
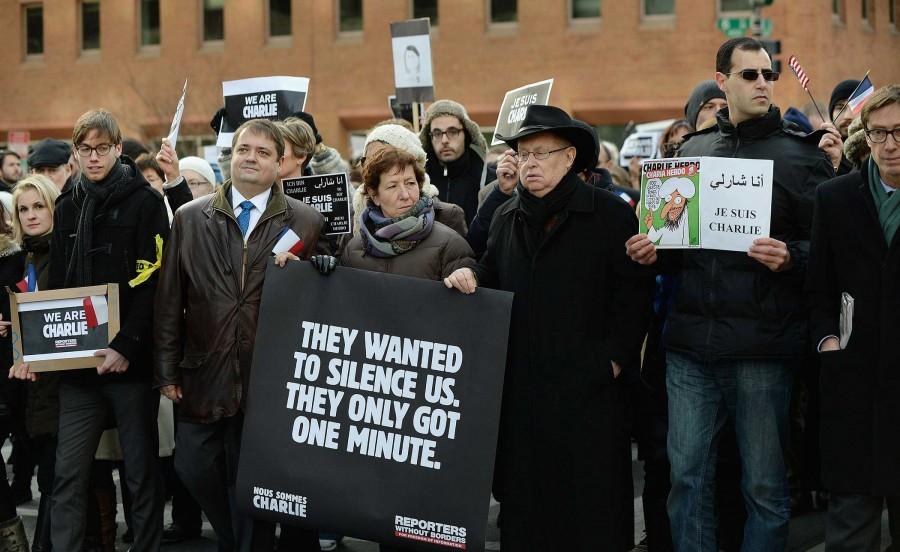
548,118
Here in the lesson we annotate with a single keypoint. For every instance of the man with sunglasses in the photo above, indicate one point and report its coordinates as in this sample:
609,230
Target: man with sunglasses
455,149
736,325
854,266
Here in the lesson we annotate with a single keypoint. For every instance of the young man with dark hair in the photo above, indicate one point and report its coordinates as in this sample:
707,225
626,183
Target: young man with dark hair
108,228
10,170
736,325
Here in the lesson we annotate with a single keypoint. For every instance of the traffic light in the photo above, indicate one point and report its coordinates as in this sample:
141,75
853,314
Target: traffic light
773,47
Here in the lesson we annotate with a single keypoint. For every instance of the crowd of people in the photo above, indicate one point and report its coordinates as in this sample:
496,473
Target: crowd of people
726,367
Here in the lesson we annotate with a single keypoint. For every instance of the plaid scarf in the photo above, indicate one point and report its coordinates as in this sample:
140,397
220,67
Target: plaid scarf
388,237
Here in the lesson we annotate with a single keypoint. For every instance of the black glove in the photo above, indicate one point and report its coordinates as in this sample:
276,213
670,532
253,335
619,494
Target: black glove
325,264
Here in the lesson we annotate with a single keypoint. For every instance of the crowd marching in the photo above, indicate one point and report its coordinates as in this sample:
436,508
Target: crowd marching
736,372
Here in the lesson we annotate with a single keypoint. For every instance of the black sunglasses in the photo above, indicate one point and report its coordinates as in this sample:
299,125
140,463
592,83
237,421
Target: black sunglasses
752,74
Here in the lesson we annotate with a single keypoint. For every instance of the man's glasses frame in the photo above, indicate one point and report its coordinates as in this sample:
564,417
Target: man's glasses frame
85,150
538,155
879,135
452,133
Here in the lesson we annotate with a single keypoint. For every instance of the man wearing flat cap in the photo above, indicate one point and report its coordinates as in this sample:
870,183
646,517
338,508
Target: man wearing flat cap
51,158
579,316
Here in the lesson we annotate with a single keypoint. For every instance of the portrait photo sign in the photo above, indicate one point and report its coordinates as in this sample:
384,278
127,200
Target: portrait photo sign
411,51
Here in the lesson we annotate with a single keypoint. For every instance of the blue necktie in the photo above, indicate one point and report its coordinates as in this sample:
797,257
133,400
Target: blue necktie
244,218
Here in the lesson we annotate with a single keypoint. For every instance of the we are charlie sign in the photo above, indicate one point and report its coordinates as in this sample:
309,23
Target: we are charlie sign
374,406
273,98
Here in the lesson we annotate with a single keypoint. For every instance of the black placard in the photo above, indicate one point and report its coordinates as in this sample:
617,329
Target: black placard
329,194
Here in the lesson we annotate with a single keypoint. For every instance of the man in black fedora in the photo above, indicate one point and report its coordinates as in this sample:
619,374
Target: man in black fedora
579,316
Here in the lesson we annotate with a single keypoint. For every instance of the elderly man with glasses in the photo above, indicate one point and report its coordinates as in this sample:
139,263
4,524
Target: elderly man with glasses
455,149
579,317
736,328
854,266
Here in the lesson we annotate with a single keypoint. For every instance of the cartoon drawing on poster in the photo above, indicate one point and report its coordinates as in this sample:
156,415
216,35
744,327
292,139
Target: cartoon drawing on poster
677,198
412,61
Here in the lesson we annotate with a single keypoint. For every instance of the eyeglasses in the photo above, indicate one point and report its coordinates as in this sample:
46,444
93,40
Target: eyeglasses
197,183
879,135
451,133
538,155
752,74
85,150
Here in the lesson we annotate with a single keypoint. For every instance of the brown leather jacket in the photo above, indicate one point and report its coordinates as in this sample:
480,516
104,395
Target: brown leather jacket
207,299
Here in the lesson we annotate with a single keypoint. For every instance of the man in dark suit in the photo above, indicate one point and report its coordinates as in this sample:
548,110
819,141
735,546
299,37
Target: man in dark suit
854,266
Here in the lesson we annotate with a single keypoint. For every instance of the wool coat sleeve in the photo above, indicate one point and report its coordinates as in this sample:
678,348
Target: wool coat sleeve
632,294
823,295
486,268
168,326
178,193
137,324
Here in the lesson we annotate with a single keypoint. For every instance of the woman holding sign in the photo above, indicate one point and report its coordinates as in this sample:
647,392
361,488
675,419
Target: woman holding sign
398,232
34,199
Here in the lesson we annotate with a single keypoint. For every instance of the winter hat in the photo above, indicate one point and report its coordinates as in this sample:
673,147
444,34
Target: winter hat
855,146
549,118
199,166
797,117
704,92
327,160
49,153
398,137
442,108
841,92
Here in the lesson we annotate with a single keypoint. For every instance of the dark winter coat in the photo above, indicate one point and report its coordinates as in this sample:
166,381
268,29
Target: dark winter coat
860,385
728,306
434,258
12,263
563,451
42,407
459,181
124,233
207,306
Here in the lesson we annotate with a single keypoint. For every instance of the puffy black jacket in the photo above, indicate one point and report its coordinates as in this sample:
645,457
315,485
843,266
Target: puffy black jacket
459,181
728,306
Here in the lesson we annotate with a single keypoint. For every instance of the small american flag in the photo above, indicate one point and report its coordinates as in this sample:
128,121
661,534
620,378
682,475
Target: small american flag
799,72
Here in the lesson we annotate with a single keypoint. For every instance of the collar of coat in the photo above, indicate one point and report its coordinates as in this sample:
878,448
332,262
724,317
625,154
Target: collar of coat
582,201
277,202
758,127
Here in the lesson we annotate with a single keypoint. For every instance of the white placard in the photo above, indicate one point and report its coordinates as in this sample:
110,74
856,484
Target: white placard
176,120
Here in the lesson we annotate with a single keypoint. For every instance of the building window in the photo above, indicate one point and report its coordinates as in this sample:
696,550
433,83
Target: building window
503,11
213,20
425,8
582,9
350,18
864,6
34,29
734,5
90,25
279,17
149,22
892,13
659,7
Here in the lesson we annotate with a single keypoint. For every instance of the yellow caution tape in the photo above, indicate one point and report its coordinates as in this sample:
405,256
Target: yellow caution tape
146,268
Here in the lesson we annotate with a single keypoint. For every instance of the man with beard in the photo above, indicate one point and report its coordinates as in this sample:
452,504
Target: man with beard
676,192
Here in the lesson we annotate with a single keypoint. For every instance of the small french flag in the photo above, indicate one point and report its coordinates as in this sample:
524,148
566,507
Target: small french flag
96,311
29,282
627,198
288,242
860,95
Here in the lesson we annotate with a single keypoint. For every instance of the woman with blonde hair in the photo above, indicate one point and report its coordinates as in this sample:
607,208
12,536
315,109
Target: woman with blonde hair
33,201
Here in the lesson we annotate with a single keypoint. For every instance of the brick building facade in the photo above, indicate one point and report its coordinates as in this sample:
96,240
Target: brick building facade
636,61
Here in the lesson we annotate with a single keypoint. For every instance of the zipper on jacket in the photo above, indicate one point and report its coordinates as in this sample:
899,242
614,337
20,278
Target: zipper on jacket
243,266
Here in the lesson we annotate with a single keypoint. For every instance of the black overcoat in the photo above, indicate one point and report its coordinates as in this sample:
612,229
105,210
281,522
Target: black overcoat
563,455
860,435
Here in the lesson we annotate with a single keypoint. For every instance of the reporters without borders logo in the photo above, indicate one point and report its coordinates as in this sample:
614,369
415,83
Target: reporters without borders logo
421,530
280,502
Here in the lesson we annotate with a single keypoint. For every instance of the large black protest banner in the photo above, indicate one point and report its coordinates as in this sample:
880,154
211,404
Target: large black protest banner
515,103
260,98
329,194
373,407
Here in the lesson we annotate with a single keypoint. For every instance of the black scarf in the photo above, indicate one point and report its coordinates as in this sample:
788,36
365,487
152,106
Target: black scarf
91,198
537,210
